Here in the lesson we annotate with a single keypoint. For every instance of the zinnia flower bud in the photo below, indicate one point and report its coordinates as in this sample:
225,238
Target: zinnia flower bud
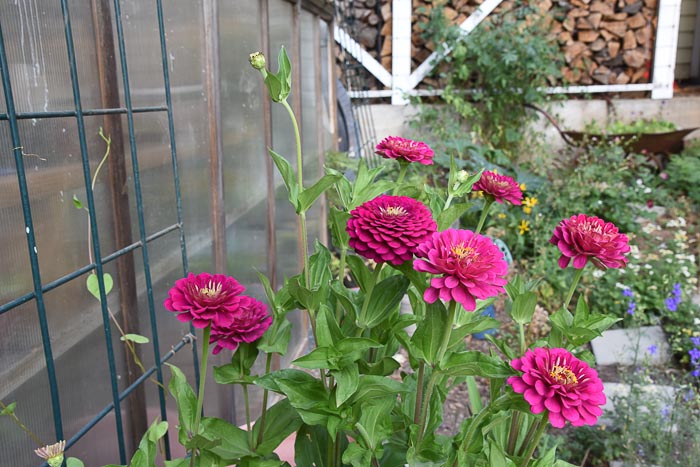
395,147
556,381
257,60
471,267
585,237
388,229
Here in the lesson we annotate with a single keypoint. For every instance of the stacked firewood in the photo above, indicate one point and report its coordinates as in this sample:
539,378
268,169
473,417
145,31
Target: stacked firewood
602,41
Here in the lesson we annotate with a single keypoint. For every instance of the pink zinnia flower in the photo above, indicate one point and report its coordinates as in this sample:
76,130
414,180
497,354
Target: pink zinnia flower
472,267
249,323
395,147
204,299
582,238
388,229
501,187
555,380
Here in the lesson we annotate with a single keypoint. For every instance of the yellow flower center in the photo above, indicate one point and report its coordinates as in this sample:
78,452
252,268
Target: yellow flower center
563,375
212,290
462,251
393,211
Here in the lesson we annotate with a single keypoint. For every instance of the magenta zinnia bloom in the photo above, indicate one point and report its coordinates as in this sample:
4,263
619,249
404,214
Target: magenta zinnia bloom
501,187
249,322
555,380
388,229
204,299
472,267
582,238
395,147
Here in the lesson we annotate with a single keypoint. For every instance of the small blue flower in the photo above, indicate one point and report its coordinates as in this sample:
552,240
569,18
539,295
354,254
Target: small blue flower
671,304
677,291
652,349
631,307
627,292
695,341
694,355
695,372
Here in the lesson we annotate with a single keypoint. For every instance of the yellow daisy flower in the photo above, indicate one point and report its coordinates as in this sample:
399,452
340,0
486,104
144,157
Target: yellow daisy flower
524,226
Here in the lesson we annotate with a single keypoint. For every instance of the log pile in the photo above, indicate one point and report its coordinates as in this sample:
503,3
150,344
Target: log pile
602,41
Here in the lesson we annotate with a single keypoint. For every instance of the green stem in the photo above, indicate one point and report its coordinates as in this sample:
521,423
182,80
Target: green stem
484,213
419,392
247,416
478,420
570,294
521,329
402,174
531,449
370,289
339,305
202,380
300,183
24,428
448,202
436,374
268,363
514,431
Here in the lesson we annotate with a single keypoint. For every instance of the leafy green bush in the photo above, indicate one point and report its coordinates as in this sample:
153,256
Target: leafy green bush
491,75
684,172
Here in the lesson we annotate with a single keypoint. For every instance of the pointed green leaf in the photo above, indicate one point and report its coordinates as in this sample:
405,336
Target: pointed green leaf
274,87
75,462
327,330
524,307
359,271
371,387
276,338
281,421
311,194
390,291
284,71
476,364
230,442
317,358
9,409
186,401
429,332
93,286
446,218
77,203
347,379
288,176
312,446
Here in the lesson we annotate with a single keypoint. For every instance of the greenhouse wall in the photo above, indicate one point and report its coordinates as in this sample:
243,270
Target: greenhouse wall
235,216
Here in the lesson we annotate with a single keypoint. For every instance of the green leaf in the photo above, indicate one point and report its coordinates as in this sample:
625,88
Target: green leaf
269,293
429,332
562,319
75,462
276,338
182,462
447,217
327,330
231,374
137,338
186,401
146,454
309,195
389,293
285,169
319,269
303,392
547,460
359,271
357,456
281,421
94,287
474,396
476,364
375,420
274,87
582,310
347,380
317,358
77,203
418,279
227,440
284,71
338,220
9,409
371,387
524,307
312,446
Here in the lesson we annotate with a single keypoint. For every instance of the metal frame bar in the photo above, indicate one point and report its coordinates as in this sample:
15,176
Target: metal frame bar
39,289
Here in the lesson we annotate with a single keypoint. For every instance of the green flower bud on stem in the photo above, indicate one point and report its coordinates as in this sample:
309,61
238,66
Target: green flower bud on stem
257,60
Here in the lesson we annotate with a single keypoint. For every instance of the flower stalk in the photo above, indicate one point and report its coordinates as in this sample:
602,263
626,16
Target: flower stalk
200,391
536,440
